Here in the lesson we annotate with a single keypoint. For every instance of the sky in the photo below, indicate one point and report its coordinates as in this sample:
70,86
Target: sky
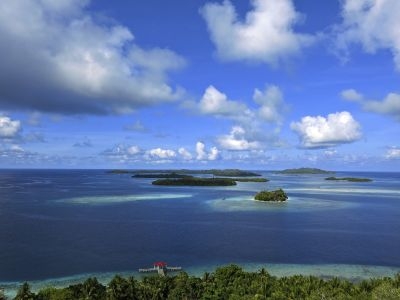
251,84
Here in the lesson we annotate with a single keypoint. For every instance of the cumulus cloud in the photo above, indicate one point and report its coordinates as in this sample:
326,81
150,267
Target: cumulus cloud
351,95
272,105
372,24
57,57
159,153
200,151
185,154
123,153
203,154
393,153
389,106
216,103
236,140
320,132
9,128
266,35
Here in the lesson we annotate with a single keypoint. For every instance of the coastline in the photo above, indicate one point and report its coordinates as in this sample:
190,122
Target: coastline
354,273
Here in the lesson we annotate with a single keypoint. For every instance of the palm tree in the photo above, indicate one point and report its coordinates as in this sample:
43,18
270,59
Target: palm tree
24,293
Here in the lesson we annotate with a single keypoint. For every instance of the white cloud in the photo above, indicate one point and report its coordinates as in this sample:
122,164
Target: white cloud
266,35
389,106
236,140
185,154
123,153
202,153
351,95
214,154
133,150
330,153
320,132
216,103
9,128
371,23
271,102
59,58
159,153
393,153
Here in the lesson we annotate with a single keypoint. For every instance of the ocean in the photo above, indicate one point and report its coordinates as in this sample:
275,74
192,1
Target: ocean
59,226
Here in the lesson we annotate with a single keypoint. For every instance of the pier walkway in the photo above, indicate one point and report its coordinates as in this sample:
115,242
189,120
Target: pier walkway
161,268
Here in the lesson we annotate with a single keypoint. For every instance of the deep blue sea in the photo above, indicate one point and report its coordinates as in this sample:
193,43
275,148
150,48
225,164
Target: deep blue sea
63,224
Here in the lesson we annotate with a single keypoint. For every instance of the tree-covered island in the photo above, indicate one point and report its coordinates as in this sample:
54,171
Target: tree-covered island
350,179
271,196
304,171
195,181
161,175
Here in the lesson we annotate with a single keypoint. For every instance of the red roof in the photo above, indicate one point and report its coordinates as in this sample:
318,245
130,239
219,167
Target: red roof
160,264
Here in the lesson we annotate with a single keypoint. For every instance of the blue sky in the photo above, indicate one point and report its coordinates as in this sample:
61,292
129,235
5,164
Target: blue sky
252,84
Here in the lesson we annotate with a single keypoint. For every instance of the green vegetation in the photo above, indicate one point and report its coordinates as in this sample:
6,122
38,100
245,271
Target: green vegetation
351,179
229,282
196,181
120,172
304,171
277,196
161,175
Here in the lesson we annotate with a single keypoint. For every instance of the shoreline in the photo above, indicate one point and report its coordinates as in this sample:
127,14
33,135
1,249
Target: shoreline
354,273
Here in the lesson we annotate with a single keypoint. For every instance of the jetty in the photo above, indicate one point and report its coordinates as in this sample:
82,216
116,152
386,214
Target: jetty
161,268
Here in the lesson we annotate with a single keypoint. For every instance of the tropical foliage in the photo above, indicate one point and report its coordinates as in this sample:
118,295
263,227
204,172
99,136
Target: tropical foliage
196,181
229,282
278,195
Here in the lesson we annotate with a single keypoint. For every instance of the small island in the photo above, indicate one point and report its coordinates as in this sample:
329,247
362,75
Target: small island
161,175
350,179
304,171
271,196
195,181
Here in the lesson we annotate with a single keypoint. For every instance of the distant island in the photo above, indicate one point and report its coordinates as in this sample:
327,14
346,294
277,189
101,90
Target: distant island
214,172
161,175
304,171
275,196
195,181
350,179
181,176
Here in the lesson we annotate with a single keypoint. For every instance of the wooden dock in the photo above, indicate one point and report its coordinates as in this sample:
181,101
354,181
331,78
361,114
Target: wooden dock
161,268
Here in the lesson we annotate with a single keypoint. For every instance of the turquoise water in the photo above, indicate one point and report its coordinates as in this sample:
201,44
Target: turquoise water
58,226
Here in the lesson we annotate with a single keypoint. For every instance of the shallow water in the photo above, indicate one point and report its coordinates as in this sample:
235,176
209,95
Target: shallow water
63,223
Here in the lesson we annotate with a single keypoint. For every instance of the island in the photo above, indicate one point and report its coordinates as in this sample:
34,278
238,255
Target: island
304,171
274,196
161,175
195,181
350,179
